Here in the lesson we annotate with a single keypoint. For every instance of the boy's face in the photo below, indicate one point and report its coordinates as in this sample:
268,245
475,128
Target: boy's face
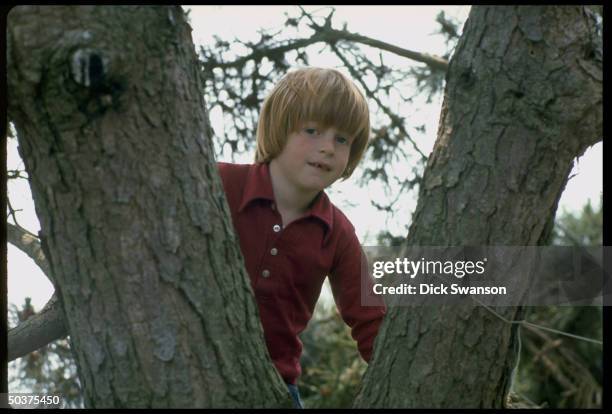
314,157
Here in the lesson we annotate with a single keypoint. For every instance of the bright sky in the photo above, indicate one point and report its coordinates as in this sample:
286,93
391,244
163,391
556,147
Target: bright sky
409,27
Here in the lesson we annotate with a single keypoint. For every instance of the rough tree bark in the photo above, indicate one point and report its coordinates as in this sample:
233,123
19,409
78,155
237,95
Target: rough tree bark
114,136
523,99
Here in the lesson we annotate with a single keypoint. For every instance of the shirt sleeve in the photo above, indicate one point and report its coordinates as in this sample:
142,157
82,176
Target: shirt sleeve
346,284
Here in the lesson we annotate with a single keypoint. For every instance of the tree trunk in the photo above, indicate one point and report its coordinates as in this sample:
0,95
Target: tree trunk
115,139
523,99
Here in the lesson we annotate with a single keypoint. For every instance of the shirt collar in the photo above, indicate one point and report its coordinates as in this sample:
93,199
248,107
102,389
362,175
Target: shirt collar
258,185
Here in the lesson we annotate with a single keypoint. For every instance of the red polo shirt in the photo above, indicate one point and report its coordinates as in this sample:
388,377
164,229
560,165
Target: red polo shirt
287,266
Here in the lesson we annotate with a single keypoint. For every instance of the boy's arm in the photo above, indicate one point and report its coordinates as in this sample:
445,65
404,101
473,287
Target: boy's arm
346,284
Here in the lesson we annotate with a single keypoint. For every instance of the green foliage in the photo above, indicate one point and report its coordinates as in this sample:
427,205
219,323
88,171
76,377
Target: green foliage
557,371
583,229
331,365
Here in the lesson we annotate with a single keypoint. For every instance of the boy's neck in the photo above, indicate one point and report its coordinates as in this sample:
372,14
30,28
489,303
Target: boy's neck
289,198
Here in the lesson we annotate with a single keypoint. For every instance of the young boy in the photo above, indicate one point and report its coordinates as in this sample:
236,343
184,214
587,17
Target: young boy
313,129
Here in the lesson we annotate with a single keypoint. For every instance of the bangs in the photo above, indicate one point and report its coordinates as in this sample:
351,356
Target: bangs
332,101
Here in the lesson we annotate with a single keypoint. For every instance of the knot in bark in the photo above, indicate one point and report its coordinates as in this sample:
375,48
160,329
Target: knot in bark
89,68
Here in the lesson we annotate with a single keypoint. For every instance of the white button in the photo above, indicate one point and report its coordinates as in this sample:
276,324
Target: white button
276,228
274,251
265,273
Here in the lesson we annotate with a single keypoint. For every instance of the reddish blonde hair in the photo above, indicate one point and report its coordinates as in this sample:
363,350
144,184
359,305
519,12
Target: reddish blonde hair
320,95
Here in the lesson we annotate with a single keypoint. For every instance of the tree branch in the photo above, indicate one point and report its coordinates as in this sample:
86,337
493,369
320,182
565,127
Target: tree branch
38,330
436,63
29,244
394,118
331,36
48,324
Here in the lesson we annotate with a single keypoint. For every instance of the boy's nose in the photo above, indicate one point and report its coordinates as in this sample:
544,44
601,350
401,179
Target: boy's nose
327,144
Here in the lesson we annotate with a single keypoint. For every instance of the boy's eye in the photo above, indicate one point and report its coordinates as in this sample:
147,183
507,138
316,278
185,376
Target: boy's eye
342,140
310,131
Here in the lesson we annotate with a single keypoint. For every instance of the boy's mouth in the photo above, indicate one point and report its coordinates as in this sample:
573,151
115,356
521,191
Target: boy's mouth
320,166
